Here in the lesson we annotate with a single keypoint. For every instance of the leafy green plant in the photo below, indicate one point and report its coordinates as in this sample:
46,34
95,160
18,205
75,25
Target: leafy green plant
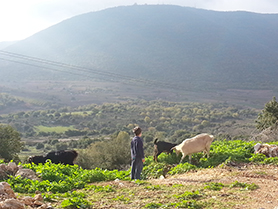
244,185
214,186
177,185
169,158
122,198
189,195
262,159
271,160
107,188
182,168
155,170
58,178
153,187
76,202
153,205
235,150
192,204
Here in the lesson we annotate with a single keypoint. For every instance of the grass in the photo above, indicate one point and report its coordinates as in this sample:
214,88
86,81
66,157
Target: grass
57,129
145,194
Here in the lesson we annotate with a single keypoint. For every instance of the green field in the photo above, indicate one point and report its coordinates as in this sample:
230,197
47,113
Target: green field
57,129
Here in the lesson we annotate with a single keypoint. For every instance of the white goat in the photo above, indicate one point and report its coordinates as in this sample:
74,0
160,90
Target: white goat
193,145
266,149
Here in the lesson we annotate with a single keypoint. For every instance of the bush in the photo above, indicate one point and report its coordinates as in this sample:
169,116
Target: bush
40,145
109,154
10,143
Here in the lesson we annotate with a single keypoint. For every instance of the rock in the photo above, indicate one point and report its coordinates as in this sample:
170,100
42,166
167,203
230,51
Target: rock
8,199
27,200
27,173
44,206
38,203
3,172
12,168
11,204
6,191
161,177
38,197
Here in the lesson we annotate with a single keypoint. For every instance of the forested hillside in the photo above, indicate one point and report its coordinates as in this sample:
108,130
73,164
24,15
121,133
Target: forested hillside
192,49
170,121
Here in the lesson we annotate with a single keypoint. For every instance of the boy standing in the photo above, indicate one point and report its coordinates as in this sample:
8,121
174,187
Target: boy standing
137,154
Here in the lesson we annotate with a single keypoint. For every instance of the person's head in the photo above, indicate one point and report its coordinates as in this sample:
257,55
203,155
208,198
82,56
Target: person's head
137,131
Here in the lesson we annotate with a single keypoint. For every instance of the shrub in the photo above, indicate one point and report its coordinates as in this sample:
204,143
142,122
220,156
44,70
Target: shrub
40,145
10,143
109,154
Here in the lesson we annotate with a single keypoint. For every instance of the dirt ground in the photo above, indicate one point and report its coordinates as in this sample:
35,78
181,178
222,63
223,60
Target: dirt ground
265,176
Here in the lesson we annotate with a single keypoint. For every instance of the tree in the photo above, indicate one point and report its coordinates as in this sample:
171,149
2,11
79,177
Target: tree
10,143
109,154
39,145
269,115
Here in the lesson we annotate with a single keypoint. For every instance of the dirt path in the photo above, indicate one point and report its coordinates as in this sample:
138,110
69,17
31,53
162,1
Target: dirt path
265,176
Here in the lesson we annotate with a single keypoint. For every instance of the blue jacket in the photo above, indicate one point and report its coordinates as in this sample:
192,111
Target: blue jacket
137,151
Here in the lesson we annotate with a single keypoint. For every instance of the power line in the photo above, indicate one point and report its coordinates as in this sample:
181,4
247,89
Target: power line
53,65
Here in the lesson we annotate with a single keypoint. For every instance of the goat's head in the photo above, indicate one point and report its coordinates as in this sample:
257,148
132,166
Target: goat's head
177,150
257,147
30,159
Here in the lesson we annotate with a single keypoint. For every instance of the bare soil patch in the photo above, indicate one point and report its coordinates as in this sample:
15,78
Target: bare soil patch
164,191
265,176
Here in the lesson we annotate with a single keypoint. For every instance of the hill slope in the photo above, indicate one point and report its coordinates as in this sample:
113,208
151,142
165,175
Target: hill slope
192,49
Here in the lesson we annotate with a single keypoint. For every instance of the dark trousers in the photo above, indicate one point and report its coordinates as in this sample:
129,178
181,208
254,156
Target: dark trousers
136,168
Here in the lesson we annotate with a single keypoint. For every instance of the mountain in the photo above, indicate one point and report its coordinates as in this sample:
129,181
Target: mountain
187,48
5,44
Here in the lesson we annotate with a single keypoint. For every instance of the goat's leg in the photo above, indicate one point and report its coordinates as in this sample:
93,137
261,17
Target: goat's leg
208,149
156,155
190,159
182,158
206,152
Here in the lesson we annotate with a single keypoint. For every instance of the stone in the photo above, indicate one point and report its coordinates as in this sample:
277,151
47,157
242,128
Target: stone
12,168
27,173
11,204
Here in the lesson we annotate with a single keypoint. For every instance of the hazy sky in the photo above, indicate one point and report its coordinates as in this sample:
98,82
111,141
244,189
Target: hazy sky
20,19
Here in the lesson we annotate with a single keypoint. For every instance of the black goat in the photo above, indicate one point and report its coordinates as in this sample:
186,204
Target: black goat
162,146
63,156
36,159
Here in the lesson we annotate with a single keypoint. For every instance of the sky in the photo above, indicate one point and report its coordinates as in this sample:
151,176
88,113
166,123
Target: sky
20,19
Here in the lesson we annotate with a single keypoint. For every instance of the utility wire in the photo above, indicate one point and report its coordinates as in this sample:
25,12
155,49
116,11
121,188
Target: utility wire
48,64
